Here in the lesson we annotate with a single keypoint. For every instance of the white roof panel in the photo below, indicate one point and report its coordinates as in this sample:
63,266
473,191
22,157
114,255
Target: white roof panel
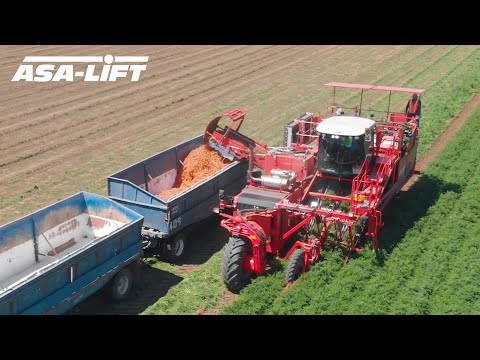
345,125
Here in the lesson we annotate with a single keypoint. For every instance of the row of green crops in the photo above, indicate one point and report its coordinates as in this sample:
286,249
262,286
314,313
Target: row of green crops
429,262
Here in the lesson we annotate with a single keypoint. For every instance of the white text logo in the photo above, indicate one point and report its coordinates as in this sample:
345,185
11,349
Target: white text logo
44,68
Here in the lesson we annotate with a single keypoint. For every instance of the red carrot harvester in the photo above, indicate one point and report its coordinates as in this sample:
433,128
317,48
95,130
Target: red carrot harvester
325,187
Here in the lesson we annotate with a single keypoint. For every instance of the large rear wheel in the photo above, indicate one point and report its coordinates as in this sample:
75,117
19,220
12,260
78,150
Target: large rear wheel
233,274
296,266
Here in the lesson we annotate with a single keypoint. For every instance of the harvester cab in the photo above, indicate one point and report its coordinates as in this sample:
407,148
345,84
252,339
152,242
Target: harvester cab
344,142
347,140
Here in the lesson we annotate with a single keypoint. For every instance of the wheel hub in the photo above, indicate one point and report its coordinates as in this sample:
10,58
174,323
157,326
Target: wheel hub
122,285
179,246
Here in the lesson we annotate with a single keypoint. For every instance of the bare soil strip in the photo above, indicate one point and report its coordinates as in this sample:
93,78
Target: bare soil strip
443,139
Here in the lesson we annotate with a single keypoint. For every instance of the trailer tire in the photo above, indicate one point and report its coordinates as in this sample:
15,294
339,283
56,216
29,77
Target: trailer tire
137,271
296,266
176,247
233,275
121,284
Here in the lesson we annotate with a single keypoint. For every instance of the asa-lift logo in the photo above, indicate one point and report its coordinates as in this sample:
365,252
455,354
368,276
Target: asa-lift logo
99,68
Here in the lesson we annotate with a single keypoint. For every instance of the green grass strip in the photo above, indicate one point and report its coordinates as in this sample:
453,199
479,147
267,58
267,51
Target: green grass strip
200,289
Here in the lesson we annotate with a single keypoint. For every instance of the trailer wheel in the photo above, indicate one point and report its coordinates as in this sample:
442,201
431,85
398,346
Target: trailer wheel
122,284
233,274
296,266
176,247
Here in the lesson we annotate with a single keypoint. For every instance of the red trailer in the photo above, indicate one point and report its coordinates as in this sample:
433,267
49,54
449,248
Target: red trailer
326,186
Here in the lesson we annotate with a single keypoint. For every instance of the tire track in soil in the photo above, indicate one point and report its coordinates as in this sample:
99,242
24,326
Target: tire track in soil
422,163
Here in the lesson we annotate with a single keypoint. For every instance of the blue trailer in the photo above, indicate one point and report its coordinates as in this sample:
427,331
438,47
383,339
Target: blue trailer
56,257
168,224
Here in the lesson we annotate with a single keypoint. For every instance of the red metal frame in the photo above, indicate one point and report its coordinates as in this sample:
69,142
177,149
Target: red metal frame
382,175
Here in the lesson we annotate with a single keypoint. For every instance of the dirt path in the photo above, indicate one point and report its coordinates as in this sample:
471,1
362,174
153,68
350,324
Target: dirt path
227,298
422,164
443,139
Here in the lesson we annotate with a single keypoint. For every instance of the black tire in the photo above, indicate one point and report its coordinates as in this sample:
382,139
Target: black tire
121,284
176,247
137,270
362,229
296,266
233,275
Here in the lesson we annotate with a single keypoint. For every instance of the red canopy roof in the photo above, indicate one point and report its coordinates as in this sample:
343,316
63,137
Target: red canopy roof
393,88
374,87
348,85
